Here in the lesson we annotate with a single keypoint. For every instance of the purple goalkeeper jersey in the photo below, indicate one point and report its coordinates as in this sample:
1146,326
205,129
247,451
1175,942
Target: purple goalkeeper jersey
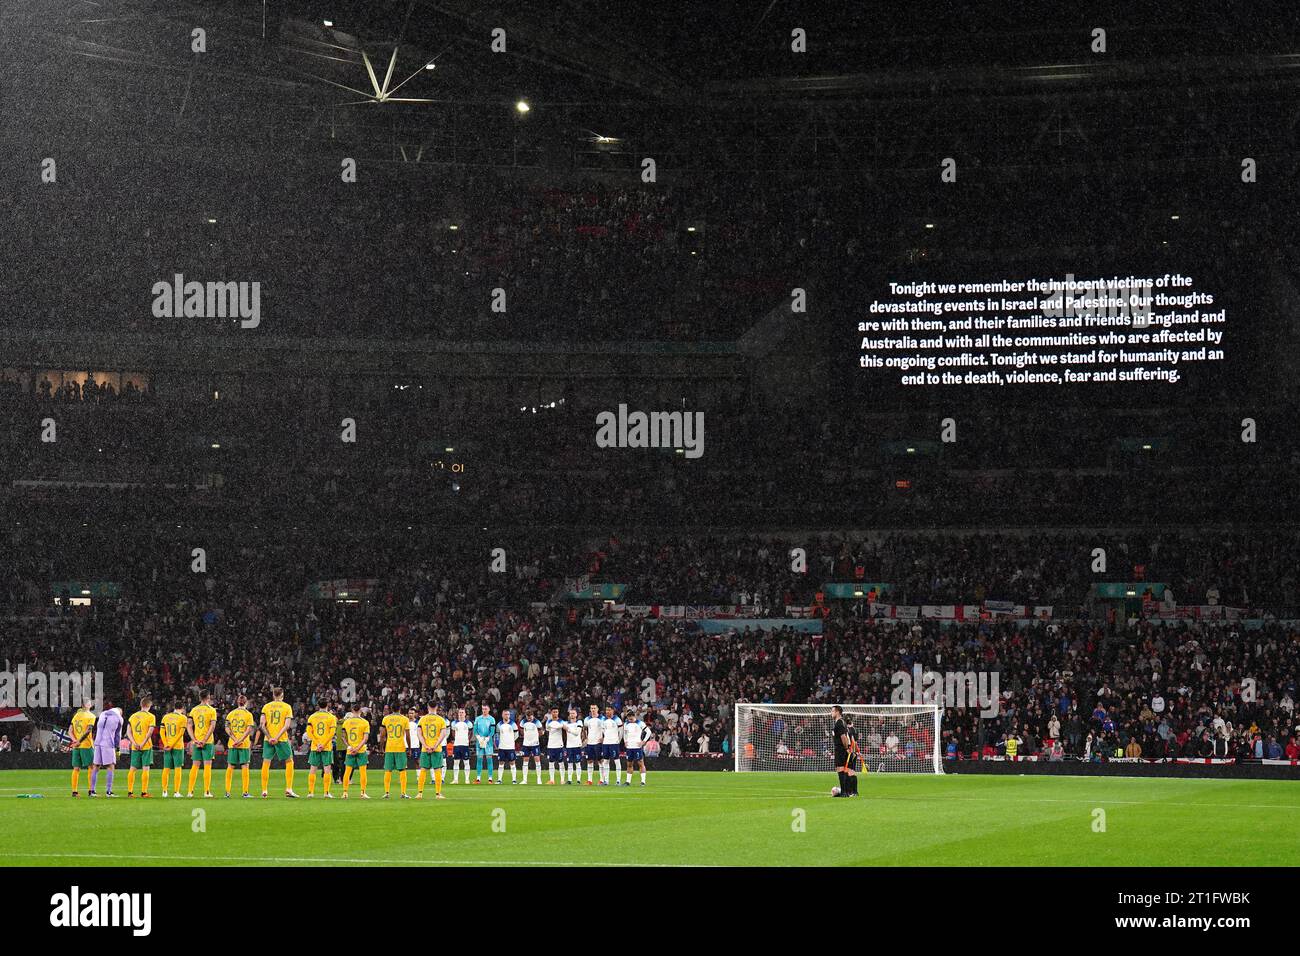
108,730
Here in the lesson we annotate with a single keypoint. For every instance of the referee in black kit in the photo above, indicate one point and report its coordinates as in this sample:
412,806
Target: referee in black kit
845,749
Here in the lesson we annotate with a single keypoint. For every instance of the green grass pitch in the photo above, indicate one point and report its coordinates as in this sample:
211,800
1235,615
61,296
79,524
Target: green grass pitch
680,818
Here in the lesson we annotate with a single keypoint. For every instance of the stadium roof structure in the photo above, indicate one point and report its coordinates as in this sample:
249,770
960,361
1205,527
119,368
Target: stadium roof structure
710,87
239,146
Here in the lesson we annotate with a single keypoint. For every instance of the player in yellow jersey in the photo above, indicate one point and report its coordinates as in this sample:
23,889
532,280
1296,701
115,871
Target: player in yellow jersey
277,727
172,733
356,731
140,730
240,728
433,735
81,731
320,732
203,732
392,734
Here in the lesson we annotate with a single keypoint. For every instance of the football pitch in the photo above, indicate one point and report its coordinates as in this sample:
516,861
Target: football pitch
679,818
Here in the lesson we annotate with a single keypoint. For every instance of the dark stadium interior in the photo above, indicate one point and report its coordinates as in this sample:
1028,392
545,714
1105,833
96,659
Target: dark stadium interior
474,428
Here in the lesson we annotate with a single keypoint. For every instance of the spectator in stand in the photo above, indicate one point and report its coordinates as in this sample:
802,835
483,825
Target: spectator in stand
457,630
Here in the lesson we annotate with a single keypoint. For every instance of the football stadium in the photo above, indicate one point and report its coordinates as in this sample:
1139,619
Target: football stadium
465,436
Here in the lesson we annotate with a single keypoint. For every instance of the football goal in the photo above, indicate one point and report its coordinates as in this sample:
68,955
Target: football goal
891,738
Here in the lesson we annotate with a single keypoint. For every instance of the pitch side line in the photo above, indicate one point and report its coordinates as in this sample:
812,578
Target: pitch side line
324,859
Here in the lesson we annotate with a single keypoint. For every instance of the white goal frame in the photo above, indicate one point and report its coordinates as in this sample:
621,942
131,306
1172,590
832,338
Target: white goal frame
931,715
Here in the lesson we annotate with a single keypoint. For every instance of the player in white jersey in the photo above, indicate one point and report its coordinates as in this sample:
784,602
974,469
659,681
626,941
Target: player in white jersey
593,726
611,729
573,746
507,731
461,728
635,734
531,731
555,743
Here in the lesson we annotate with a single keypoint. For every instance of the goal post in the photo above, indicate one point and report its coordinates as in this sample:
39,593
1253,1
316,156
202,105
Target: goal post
892,738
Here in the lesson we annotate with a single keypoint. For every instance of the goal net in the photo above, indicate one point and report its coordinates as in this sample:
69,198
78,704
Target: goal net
892,738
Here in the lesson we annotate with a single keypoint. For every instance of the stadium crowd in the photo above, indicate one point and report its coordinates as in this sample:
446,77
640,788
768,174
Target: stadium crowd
428,631
1247,570
277,454
582,259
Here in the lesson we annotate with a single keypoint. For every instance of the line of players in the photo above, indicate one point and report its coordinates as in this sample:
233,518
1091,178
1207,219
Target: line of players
599,741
